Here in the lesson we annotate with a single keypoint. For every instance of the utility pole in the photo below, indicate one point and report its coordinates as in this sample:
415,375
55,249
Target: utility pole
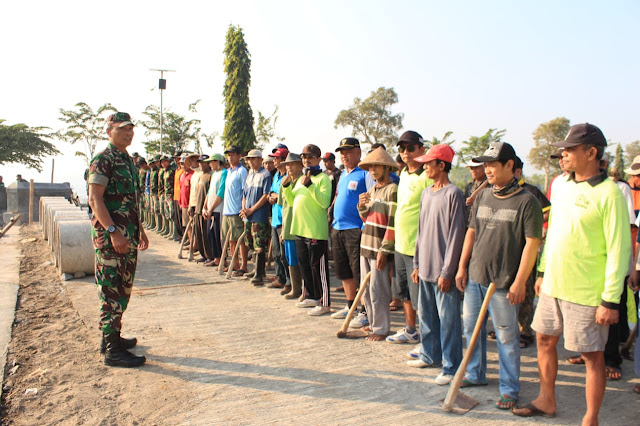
162,85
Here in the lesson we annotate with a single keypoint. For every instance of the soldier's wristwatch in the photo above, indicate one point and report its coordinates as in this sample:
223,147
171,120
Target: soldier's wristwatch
111,229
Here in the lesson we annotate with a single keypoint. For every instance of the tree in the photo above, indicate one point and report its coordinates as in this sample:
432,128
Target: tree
20,143
266,129
238,126
477,145
435,141
371,120
553,131
85,125
632,149
618,163
179,131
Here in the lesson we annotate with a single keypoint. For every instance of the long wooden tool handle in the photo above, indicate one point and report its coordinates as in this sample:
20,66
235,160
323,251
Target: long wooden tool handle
356,301
184,237
223,256
457,380
478,189
235,255
192,241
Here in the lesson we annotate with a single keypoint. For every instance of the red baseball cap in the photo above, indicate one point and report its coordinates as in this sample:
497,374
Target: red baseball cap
280,153
329,156
437,152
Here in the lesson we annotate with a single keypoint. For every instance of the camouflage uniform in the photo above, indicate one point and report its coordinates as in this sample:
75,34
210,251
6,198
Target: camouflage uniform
142,177
169,177
153,189
115,272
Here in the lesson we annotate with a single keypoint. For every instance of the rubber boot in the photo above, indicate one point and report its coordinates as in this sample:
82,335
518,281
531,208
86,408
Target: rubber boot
261,275
296,283
167,228
173,235
117,356
156,222
252,274
124,342
163,229
152,221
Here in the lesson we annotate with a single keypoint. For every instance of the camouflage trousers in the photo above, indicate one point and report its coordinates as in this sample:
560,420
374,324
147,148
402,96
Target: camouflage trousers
526,308
114,278
167,210
155,208
260,232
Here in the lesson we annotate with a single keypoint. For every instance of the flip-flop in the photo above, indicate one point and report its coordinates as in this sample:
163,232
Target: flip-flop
503,400
636,388
533,411
575,360
239,273
467,384
393,307
610,371
492,335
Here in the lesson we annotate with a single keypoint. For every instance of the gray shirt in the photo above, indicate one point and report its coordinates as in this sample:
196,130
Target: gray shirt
441,230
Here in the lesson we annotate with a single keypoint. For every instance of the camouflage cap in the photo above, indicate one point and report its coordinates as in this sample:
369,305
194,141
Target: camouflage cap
120,117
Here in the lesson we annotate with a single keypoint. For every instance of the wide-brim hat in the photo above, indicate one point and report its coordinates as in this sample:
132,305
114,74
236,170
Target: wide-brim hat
292,158
254,153
634,168
378,156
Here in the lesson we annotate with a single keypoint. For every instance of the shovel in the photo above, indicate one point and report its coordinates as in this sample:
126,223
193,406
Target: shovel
223,256
235,255
343,333
184,238
455,401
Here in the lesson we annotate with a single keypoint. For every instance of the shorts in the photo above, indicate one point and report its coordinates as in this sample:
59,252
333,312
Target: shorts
234,224
185,216
260,233
345,247
554,317
403,287
290,252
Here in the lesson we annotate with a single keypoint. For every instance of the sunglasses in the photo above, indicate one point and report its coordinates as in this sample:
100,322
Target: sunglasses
308,156
408,148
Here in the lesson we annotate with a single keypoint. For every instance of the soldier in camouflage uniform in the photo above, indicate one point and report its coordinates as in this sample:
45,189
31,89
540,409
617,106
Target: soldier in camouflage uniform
117,235
153,190
162,229
168,183
142,177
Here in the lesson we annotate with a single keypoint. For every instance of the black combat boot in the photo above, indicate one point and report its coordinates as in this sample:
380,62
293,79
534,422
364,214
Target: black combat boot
261,275
126,343
117,356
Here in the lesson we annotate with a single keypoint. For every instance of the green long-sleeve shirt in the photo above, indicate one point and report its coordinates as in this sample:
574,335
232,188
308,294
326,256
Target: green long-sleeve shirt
310,206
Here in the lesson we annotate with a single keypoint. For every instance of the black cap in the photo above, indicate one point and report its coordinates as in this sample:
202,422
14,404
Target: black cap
584,133
557,154
233,148
411,137
519,164
311,149
497,151
329,156
348,143
140,161
279,146
135,155
377,145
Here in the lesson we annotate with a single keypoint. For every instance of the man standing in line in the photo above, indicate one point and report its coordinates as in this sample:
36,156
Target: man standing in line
310,198
185,191
441,229
168,182
153,189
500,247
282,279
346,230
478,177
200,230
117,235
413,180
255,212
177,213
329,160
231,221
213,207
582,272
143,168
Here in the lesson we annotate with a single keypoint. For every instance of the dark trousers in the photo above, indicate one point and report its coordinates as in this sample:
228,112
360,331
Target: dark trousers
213,235
277,246
314,268
200,232
177,218
618,333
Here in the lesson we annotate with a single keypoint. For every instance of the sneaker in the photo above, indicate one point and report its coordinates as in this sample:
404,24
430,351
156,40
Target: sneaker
443,379
414,353
360,321
418,363
341,314
403,336
307,303
319,310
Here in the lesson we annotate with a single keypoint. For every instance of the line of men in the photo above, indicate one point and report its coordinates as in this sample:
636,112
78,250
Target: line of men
425,242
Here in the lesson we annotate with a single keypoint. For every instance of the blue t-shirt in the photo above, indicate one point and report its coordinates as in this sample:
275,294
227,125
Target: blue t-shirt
276,209
345,212
234,187
257,184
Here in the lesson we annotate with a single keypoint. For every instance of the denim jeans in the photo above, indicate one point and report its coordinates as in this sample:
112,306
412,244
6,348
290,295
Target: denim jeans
440,326
505,322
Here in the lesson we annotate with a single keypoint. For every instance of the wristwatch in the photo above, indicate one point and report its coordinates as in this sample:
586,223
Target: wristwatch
111,229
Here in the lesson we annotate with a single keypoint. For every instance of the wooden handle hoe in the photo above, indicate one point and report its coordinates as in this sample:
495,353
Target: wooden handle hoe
345,325
462,402
184,237
223,256
235,255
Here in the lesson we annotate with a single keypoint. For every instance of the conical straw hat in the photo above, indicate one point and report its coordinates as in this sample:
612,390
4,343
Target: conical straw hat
378,157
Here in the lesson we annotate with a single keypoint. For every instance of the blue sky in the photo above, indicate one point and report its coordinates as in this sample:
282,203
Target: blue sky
464,66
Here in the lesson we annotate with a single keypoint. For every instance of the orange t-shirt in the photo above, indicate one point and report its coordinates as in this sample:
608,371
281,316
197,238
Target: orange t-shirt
176,185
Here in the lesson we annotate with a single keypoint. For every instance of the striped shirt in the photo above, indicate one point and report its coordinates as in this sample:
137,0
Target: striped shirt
378,217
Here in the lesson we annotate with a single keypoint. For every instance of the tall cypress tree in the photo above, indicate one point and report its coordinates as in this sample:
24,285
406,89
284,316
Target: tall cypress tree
238,127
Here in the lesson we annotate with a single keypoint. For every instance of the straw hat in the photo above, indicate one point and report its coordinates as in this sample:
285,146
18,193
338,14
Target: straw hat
378,157
634,168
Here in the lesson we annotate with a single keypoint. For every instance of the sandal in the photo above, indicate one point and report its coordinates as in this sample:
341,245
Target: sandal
395,307
492,335
511,402
613,373
575,360
467,384
636,388
238,273
532,411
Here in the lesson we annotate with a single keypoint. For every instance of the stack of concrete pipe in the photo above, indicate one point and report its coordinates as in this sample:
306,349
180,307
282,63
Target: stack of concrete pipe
67,229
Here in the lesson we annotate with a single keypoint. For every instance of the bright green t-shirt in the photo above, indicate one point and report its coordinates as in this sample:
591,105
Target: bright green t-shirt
588,245
409,191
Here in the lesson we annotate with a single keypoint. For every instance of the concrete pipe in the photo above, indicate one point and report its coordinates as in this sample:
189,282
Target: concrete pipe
51,214
47,201
75,247
44,212
55,234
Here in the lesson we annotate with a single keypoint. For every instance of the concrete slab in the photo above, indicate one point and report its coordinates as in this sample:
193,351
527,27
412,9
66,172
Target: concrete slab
9,284
224,351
